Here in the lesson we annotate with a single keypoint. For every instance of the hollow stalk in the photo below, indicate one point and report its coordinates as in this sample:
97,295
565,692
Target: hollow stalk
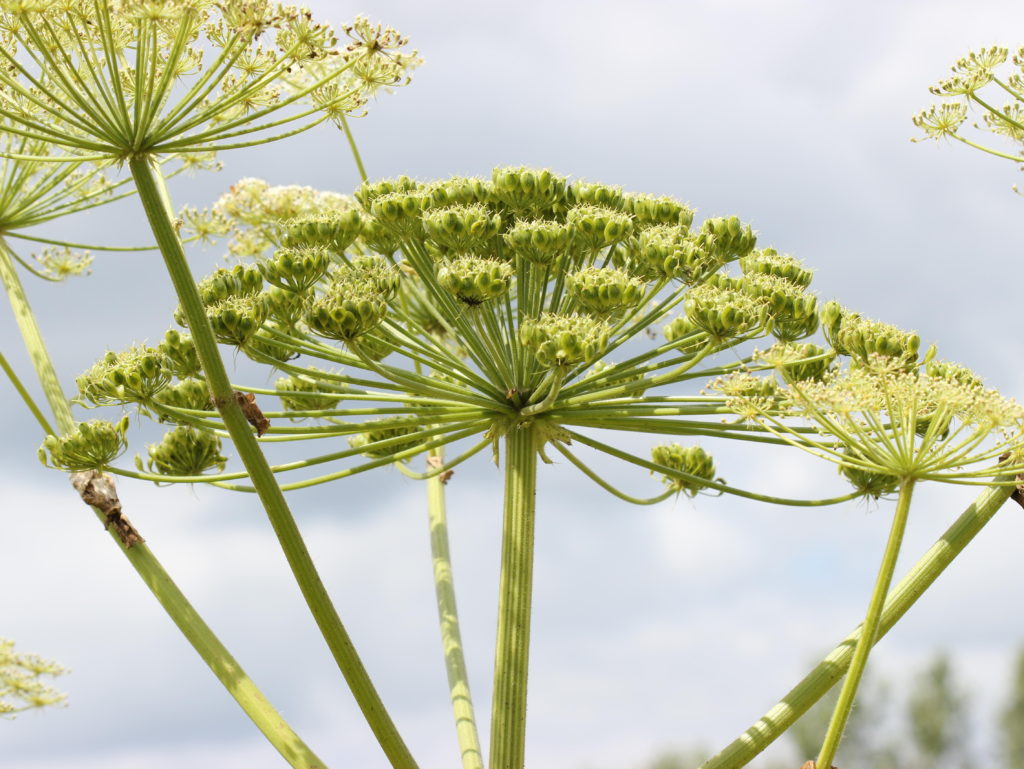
153,193
451,638
512,650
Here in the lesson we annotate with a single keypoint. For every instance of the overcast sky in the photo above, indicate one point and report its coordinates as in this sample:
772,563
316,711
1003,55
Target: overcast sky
656,628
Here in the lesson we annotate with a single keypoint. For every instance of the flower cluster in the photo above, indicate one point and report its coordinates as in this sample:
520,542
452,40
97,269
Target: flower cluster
23,680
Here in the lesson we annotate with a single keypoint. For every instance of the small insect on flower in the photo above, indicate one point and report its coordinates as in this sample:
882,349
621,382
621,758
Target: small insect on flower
252,412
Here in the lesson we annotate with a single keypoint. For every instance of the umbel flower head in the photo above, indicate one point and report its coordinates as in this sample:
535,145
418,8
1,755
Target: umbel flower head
885,424
115,79
24,681
466,310
982,81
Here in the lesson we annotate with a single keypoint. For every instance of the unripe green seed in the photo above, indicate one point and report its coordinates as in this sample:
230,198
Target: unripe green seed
334,231
590,193
296,269
605,290
304,393
527,191
460,191
132,376
473,279
185,451
648,210
692,460
346,313
563,340
378,238
595,228
401,213
193,394
91,446
540,241
180,352
768,261
724,313
467,229
867,482
725,239
237,319
389,429
368,192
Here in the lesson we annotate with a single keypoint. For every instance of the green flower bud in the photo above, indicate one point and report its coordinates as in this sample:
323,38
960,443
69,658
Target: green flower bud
132,376
540,241
768,261
305,393
401,213
692,460
378,238
346,312
180,352
185,451
462,228
868,482
595,228
647,210
725,239
723,313
296,269
473,279
563,340
237,319
605,290
527,190
459,191
388,429
334,231
193,394
368,192
589,193
91,446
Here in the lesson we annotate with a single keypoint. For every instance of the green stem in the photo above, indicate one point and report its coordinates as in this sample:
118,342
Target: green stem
156,203
352,146
512,650
827,673
181,612
869,628
34,343
29,402
451,638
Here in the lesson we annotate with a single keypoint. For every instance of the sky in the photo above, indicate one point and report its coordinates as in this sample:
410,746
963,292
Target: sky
655,628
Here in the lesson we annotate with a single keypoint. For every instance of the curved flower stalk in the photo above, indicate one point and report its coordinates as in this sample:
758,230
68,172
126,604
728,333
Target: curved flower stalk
132,82
24,681
979,82
888,426
479,314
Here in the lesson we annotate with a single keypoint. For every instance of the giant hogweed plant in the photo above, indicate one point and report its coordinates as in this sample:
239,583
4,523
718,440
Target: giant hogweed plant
484,315
499,303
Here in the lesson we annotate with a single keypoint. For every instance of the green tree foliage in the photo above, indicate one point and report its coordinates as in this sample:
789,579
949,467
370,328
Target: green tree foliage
1011,723
937,712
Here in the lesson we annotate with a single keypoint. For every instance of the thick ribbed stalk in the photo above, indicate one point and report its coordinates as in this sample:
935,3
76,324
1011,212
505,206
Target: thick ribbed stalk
174,602
512,650
448,614
155,201
831,669
868,628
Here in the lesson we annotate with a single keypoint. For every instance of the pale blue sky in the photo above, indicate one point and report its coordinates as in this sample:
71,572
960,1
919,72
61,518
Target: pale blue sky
655,628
